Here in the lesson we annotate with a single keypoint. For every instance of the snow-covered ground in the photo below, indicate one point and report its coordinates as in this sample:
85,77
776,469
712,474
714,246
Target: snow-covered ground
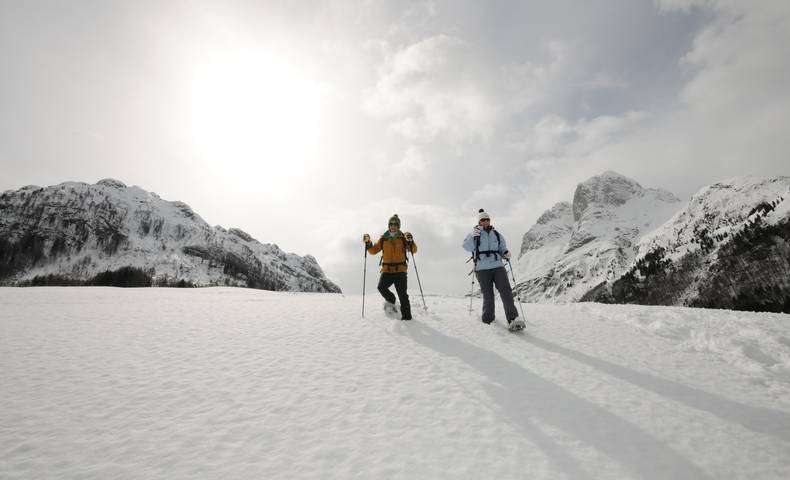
233,383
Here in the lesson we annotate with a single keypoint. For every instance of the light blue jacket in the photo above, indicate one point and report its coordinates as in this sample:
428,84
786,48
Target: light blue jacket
488,242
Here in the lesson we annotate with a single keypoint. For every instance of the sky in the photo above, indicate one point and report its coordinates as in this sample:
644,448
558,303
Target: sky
308,124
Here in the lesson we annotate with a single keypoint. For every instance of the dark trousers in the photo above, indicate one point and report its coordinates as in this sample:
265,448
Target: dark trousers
399,279
496,277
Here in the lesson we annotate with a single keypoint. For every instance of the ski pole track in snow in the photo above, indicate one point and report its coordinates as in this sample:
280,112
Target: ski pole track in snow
772,422
234,383
761,420
537,392
424,357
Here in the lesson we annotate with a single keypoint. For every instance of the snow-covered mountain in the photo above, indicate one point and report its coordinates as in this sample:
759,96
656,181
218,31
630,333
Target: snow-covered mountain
108,233
728,248
573,247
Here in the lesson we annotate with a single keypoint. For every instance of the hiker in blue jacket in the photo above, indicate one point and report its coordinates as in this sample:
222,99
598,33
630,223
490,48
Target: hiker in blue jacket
489,248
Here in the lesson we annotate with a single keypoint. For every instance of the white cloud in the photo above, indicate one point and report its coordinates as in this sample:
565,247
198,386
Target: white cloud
556,137
412,165
604,81
680,5
443,86
425,91
528,83
730,117
491,197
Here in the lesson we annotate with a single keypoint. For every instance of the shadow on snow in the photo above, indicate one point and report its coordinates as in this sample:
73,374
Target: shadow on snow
523,396
758,419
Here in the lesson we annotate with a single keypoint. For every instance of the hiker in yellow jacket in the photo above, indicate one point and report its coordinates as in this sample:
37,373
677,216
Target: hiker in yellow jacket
394,264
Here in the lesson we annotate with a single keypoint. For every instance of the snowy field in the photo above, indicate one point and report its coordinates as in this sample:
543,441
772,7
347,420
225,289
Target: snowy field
230,383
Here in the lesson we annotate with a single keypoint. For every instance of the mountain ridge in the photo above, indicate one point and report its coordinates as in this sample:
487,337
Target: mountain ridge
74,231
728,248
618,242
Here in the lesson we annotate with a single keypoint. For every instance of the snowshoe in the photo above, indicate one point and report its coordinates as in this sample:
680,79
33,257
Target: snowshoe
516,325
391,310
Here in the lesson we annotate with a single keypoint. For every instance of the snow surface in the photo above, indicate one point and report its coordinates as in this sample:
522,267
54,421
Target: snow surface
236,383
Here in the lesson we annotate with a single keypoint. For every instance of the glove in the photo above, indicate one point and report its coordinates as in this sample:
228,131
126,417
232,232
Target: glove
408,236
476,231
366,239
506,255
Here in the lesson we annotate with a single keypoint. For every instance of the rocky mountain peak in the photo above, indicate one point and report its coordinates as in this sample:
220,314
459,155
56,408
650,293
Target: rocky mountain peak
574,246
559,210
112,183
608,188
555,225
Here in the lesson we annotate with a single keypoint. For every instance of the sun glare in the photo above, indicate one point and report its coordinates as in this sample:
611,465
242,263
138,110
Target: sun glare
256,110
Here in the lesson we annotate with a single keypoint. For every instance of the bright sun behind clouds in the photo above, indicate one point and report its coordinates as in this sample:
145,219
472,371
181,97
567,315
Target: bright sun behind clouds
256,109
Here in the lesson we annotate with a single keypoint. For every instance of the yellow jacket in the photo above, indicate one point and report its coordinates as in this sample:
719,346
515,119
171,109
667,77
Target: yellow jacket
394,256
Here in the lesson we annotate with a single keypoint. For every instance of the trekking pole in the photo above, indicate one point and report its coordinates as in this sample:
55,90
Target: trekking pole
475,256
364,276
418,281
472,292
515,284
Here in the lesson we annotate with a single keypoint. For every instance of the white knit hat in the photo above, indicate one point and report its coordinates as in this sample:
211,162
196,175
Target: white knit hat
483,214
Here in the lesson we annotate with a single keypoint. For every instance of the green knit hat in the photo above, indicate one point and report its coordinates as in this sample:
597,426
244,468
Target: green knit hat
394,219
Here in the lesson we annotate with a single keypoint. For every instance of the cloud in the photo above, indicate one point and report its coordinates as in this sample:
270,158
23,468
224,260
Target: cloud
426,92
726,119
445,88
730,117
555,136
604,81
412,165
529,83
680,5
491,197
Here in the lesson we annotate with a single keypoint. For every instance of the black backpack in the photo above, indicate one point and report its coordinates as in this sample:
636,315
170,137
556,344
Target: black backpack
488,253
